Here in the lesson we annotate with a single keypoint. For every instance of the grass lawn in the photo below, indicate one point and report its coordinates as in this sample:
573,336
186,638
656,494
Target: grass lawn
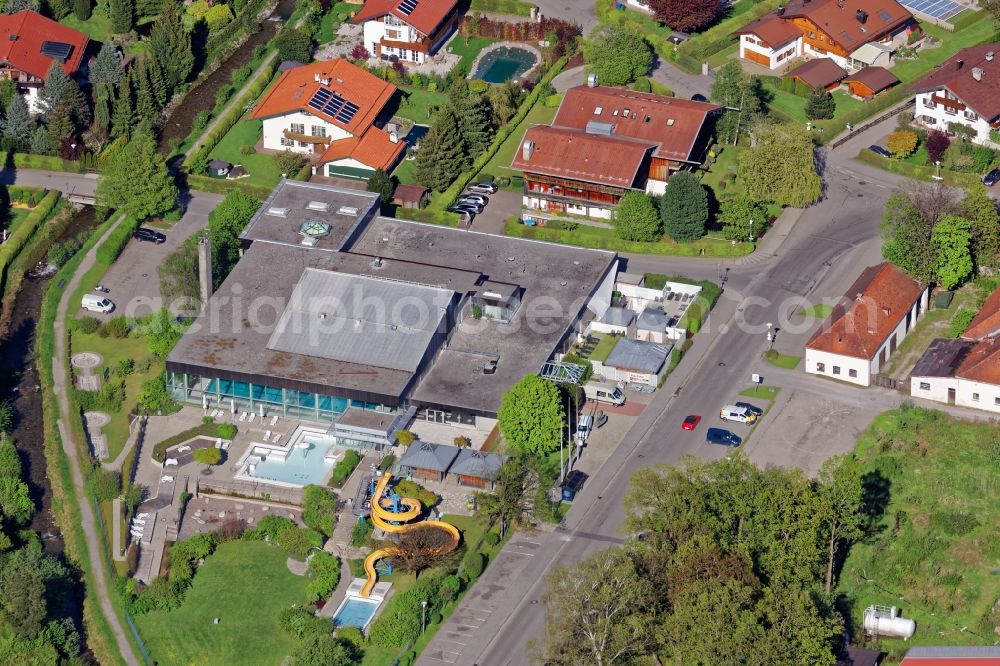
500,164
762,392
603,348
719,59
934,551
725,164
260,165
785,361
246,584
818,311
469,48
419,105
406,172
97,27
115,350
513,7
15,216
328,25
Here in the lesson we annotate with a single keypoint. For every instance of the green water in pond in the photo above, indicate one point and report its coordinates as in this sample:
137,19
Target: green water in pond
504,64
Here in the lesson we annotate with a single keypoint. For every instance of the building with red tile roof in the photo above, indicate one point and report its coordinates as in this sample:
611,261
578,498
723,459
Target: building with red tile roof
853,33
964,89
604,142
819,74
331,113
407,30
30,43
986,323
864,329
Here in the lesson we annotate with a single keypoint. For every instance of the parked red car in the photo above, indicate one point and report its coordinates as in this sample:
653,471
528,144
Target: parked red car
691,422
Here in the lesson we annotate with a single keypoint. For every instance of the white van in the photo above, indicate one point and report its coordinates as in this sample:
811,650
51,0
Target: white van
584,424
95,303
740,414
604,392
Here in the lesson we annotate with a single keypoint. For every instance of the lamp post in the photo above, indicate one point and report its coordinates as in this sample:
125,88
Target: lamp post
937,176
751,231
423,619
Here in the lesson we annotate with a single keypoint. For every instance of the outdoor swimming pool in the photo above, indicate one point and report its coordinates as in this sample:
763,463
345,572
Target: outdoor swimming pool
305,460
355,612
503,64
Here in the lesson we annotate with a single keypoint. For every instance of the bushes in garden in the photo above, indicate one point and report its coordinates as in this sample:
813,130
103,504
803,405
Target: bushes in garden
400,621
17,240
268,528
324,571
411,489
227,431
473,564
111,248
344,467
361,533
319,509
298,541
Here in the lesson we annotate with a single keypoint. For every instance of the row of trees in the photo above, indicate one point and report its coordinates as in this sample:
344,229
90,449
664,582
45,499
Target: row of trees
461,130
937,236
681,212
734,565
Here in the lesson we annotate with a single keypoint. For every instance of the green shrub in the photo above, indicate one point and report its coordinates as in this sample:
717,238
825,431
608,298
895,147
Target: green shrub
960,321
491,539
298,541
268,529
362,533
116,241
954,523
352,635
319,509
227,431
386,462
408,488
450,587
400,621
344,467
105,484
116,327
17,240
473,565
208,456
324,573
87,324
642,84
300,622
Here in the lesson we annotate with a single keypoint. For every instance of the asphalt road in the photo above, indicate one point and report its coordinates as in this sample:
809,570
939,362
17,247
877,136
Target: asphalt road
828,246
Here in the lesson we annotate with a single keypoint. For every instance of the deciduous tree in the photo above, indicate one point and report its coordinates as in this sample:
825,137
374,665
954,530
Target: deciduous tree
294,44
511,503
684,207
323,649
742,96
635,218
736,213
531,416
136,181
225,224
597,612
687,15
422,548
952,238
901,143
15,6
780,166
980,209
617,55
937,142
842,497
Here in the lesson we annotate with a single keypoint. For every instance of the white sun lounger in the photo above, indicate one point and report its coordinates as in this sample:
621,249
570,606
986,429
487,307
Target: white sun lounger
277,436
267,435
218,442
253,415
274,420
183,449
225,446
137,535
243,417
219,413
166,478
170,461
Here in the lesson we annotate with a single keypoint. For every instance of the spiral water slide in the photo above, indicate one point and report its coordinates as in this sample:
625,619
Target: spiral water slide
384,518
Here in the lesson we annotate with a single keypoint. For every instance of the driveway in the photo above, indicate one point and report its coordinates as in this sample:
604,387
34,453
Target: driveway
502,205
569,10
133,278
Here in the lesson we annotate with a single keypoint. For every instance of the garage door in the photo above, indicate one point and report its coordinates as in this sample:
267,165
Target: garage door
759,58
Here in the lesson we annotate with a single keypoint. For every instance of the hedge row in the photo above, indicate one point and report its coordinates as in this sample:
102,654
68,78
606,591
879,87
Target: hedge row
916,171
698,248
969,18
449,196
43,162
225,123
24,231
512,7
25,194
222,186
116,242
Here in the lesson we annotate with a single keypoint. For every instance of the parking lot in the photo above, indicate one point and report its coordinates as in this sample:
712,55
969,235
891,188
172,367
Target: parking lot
133,279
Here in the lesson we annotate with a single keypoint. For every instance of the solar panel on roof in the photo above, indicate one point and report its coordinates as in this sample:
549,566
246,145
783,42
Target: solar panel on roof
58,50
407,6
319,99
346,114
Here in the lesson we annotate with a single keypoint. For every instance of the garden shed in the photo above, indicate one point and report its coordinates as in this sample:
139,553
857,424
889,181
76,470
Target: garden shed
219,168
409,196
477,469
424,460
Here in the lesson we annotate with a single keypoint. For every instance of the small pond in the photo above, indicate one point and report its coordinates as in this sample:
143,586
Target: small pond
504,63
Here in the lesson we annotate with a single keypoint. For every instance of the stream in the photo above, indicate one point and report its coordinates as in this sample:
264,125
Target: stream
202,97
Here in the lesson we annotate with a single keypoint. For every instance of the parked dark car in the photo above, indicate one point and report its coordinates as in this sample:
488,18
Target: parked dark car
722,437
879,150
469,212
757,411
150,236
571,486
992,178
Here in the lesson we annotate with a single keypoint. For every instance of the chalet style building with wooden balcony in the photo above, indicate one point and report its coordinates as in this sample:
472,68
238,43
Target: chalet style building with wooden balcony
331,112
605,142
408,30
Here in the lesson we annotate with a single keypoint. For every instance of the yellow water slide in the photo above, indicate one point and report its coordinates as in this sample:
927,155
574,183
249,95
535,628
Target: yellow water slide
384,518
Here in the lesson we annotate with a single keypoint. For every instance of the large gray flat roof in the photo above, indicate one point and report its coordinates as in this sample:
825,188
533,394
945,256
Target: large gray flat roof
637,355
294,203
223,340
558,280
361,319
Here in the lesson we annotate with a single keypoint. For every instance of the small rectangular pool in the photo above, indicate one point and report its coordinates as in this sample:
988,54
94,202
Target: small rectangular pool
297,469
355,612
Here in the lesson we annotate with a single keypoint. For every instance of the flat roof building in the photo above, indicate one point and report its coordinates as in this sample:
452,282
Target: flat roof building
332,307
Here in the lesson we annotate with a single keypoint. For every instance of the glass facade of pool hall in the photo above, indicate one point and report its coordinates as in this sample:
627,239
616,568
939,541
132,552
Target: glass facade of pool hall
226,394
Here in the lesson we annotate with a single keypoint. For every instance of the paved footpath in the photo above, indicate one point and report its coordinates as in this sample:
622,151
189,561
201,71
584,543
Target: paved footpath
102,589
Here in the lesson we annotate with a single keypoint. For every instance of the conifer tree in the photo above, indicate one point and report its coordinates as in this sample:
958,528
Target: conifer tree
106,67
441,157
18,125
56,82
124,116
122,15
145,103
60,124
170,44
474,122
136,181
103,97
40,144
82,9
158,83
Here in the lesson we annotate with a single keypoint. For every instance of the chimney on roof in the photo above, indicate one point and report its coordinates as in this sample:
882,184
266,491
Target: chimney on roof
861,15
527,150
959,63
12,37
977,73
989,56
780,11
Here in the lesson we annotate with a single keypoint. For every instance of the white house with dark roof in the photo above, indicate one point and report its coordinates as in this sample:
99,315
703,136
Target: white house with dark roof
963,90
